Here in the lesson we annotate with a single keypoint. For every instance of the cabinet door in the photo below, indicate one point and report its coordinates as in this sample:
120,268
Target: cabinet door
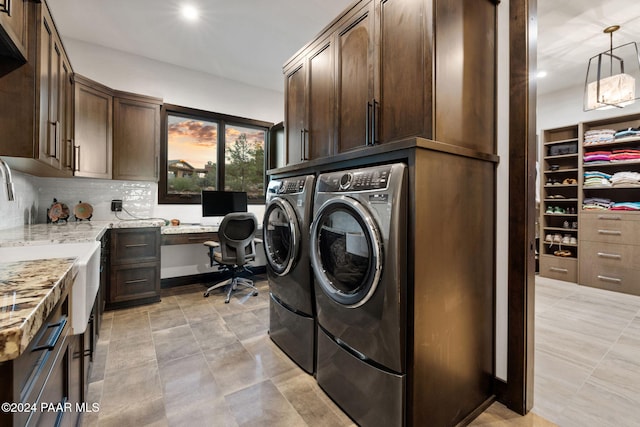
136,139
355,64
93,130
49,80
13,32
404,80
295,104
66,116
321,90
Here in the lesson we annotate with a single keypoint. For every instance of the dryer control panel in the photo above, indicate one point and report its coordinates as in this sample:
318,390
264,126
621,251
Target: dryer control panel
287,186
376,178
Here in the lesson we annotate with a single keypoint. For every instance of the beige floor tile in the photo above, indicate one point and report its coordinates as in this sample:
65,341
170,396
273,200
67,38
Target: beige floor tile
174,343
234,368
167,317
245,325
265,353
122,389
263,405
147,413
129,353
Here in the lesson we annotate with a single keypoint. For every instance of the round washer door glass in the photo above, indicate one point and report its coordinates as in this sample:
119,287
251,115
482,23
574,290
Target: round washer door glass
281,236
346,251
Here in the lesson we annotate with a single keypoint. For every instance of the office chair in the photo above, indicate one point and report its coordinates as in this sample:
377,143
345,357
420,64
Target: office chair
236,248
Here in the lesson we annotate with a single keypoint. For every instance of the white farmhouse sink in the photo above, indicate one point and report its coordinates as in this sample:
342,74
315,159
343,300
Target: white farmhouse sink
86,270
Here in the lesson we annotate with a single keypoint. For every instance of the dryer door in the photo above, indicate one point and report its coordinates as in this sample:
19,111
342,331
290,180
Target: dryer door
281,234
346,251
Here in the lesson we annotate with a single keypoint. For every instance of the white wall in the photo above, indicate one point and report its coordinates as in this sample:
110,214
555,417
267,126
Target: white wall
564,108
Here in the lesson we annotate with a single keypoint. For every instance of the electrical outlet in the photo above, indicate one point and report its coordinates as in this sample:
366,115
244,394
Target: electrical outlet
116,205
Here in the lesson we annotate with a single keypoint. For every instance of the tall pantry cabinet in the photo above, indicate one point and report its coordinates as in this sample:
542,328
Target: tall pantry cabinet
393,77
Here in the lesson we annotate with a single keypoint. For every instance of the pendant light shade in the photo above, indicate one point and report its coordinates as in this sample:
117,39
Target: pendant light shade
611,76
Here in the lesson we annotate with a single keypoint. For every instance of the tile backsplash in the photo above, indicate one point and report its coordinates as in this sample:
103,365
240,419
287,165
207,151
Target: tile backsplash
34,195
22,210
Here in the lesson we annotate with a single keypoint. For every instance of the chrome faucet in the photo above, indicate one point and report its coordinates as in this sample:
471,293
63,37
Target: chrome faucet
6,174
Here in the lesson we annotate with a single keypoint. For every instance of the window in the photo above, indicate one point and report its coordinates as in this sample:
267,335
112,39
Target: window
209,151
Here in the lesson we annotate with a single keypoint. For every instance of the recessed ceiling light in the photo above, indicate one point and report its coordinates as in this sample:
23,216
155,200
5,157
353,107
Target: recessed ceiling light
189,12
541,74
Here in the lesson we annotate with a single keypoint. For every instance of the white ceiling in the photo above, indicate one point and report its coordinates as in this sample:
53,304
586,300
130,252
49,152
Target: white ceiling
249,40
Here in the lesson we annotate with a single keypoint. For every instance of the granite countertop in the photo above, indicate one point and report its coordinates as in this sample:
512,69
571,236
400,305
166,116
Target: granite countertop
188,228
67,232
29,290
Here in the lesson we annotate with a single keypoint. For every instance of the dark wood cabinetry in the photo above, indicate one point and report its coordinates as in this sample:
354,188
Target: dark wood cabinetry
136,137
387,70
55,115
36,105
43,375
134,276
309,104
93,129
13,28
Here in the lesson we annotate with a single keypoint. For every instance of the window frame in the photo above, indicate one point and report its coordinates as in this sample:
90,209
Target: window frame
222,120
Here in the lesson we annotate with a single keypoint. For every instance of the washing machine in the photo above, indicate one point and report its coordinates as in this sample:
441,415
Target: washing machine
286,241
358,245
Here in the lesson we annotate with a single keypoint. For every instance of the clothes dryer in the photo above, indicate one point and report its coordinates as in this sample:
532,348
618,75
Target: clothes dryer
286,241
358,254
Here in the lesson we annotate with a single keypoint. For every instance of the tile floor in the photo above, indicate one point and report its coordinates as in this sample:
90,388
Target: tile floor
194,361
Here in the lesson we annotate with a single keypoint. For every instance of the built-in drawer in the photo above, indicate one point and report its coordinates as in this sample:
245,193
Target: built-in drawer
188,238
610,254
139,281
614,278
559,268
134,245
610,228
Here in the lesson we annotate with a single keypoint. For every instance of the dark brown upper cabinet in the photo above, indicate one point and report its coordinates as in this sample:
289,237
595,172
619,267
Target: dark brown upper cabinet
36,106
136,137
401,69
93,149
13,28
309,107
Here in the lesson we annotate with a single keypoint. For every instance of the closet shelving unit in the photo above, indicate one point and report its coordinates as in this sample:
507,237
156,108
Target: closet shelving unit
560,202
610,239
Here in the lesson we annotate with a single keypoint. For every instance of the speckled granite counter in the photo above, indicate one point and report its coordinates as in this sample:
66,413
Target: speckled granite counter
188,228
69,232
29,290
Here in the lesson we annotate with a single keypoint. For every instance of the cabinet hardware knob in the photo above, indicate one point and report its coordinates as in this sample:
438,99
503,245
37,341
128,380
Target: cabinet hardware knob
131,282
610,256
610,279
610,217
55,335
610,232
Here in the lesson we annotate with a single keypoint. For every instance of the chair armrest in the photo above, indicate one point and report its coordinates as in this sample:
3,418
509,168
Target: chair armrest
212,244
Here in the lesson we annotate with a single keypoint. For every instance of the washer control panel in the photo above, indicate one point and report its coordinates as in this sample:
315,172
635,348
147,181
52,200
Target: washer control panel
376,178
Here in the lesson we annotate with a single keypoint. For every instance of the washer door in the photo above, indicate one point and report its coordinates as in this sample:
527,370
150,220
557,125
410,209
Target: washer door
281,234
346,251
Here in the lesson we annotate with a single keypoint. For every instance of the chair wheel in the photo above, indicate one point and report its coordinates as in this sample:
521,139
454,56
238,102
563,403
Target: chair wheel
226,302
206,294
255,294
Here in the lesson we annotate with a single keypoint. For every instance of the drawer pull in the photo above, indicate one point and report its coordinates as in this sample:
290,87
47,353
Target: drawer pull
131,282
610,217
610,232
609,256
609,279
138,245
196,238
54,337
559,270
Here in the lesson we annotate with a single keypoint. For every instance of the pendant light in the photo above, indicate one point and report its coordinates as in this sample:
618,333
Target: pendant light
609,84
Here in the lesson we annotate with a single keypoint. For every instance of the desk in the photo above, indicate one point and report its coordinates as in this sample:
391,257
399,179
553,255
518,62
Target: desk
187,234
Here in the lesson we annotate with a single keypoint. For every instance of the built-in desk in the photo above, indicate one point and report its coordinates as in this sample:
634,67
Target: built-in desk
188,234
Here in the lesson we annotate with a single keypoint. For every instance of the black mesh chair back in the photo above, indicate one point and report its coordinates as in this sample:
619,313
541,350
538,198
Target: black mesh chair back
236,236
